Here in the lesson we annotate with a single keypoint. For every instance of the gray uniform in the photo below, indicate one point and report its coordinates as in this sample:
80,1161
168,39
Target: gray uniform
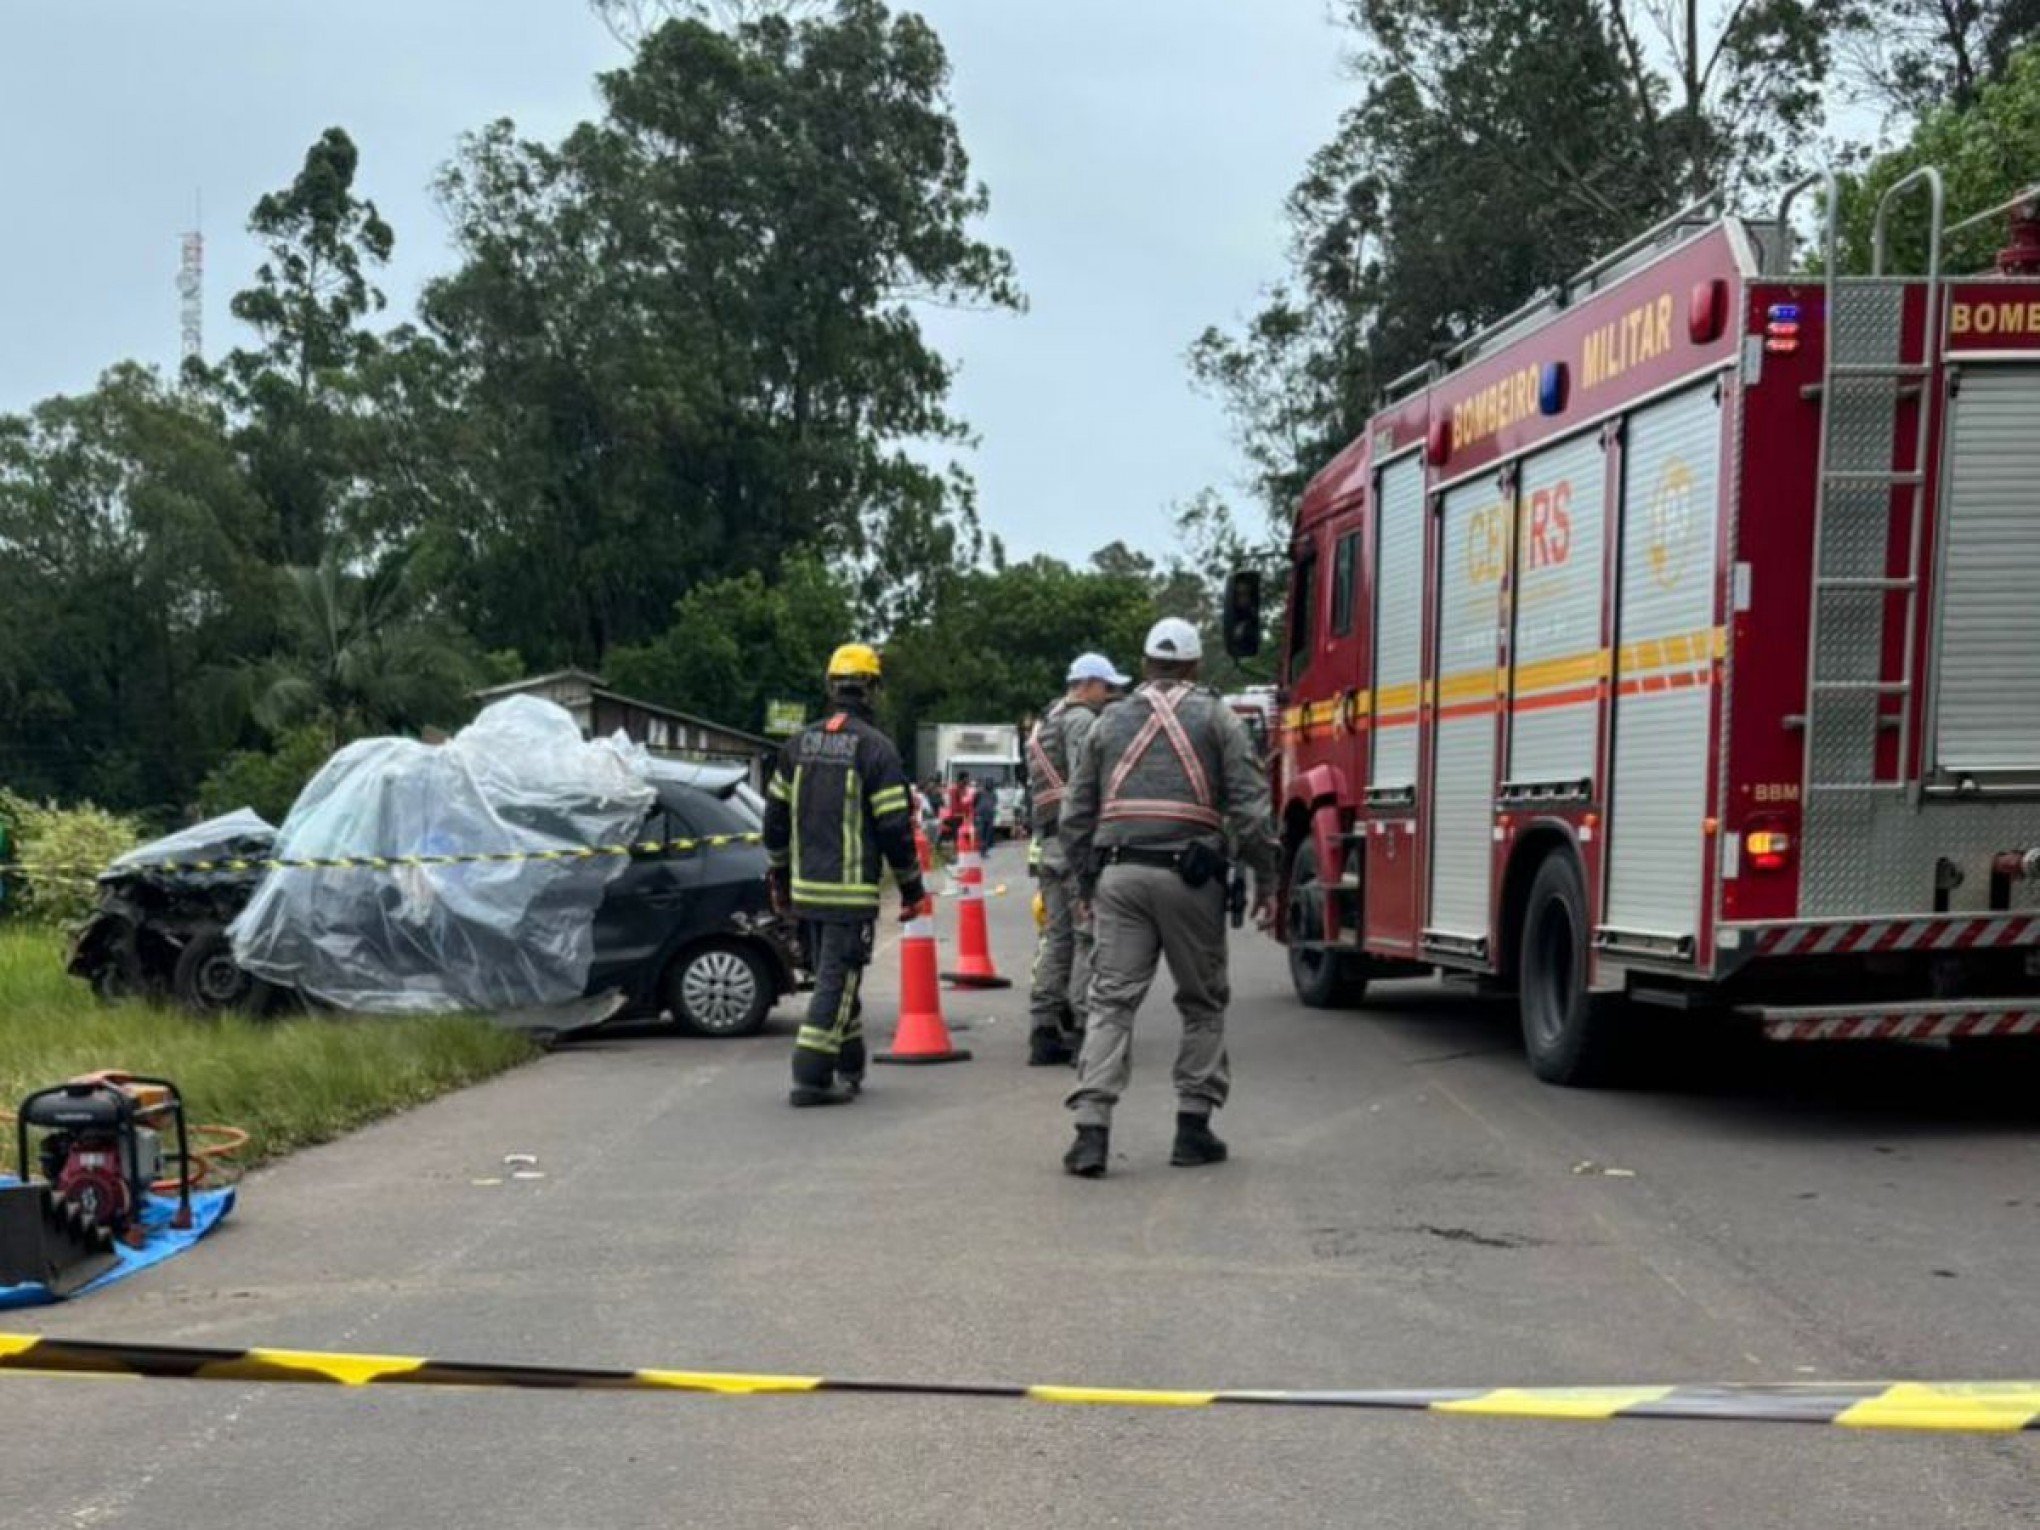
1062,956
1170,767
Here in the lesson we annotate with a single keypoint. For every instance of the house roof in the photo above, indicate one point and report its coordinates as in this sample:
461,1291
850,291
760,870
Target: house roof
597,689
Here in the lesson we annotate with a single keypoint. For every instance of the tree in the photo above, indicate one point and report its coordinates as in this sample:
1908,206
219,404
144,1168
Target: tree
686,335
1926,54
362,652
1492,150
738,643
130,547
630,22
309,298
1987,152
1495,150
998,643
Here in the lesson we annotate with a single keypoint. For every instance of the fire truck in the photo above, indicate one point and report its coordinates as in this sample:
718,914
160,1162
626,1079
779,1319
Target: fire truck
1676,642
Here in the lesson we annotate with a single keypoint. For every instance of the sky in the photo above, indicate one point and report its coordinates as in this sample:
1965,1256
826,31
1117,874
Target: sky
1137,154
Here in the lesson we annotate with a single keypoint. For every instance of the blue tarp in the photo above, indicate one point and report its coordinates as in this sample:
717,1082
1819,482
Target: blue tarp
159,1242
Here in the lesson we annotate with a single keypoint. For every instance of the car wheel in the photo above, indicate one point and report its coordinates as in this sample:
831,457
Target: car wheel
1323,979
115,981
1569,1033
720,988
208,981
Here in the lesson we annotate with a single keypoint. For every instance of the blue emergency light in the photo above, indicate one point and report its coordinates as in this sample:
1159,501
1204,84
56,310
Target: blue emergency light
1783,313
1551,388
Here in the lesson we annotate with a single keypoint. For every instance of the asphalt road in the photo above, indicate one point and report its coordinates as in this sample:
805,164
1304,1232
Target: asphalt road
1405,1207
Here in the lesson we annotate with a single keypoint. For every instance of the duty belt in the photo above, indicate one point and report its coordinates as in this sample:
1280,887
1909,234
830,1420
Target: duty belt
1140,855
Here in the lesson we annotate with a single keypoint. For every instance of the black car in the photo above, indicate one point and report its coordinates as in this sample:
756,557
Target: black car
690,933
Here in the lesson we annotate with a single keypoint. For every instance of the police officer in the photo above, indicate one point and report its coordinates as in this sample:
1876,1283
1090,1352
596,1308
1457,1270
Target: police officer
837,805
1062,955
1165,780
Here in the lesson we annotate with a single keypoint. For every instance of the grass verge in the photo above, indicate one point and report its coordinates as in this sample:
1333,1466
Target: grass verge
288,1083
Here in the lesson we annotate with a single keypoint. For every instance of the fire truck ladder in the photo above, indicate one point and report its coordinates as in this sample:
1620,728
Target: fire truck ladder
1869,374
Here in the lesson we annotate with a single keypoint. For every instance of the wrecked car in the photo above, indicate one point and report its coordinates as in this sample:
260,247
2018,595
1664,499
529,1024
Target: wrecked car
426,878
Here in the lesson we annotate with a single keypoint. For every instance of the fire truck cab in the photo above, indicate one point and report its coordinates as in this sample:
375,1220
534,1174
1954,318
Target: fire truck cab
1676,642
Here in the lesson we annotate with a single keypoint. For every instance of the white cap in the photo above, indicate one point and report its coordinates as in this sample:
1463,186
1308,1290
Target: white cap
1173,638
1094,666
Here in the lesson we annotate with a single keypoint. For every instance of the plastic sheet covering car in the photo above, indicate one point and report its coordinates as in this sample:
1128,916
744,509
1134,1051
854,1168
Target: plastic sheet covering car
243,834
492,935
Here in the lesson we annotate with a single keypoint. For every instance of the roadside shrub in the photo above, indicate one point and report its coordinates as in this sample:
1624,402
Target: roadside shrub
81,840
267,780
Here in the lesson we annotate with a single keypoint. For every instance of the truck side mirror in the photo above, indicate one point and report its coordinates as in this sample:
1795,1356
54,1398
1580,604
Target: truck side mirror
1243,613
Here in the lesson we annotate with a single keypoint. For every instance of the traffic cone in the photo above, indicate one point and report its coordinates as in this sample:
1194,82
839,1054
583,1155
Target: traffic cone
923,851
921,1036
974,967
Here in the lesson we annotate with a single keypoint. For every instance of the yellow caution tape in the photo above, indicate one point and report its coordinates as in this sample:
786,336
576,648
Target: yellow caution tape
643,849
1982,1407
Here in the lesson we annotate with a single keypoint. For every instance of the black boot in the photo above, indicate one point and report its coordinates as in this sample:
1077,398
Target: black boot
1047,1049
1194,1142
1087,1155
800,1096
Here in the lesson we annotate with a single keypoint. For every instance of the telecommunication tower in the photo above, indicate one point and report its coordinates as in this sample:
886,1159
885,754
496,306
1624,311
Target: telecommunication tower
191,293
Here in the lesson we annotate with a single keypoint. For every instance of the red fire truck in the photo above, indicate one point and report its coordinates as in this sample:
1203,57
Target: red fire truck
1676,642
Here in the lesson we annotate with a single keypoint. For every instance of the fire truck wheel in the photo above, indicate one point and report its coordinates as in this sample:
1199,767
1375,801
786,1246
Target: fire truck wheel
1568,1032
1323,979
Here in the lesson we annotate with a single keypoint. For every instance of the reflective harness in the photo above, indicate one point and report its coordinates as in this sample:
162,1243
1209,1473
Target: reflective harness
1058,786
1162,723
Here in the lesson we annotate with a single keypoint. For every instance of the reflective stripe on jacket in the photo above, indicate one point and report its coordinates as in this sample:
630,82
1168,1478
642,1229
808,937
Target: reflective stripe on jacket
836,812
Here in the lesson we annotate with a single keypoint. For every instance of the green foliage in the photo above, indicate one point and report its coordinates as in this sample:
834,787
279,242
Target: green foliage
998,642
1494,150
267,780
1922,55
288,1083
685,336
363,652
1986,153
306,306
737,643
130,564
79,840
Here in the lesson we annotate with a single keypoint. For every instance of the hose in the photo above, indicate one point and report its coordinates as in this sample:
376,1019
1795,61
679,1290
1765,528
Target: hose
212,1162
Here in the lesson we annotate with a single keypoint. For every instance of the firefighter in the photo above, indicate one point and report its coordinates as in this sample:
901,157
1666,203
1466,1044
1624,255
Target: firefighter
1164,782
1062,955
837,807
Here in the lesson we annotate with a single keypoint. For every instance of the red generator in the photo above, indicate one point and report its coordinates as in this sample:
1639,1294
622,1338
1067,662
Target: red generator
1677,640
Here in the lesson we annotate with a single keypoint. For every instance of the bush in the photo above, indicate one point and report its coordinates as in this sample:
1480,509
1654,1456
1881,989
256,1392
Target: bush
266,780
79,842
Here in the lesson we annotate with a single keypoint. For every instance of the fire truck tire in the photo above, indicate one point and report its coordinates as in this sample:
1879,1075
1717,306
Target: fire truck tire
1323,979
1569,1034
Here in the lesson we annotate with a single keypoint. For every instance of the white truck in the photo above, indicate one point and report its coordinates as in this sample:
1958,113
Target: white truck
989,751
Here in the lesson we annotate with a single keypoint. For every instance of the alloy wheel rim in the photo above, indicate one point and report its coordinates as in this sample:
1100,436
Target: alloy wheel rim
719,989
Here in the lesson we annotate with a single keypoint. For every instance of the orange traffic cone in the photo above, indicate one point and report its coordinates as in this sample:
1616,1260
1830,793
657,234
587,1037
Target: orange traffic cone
974,967
921,1037
923,851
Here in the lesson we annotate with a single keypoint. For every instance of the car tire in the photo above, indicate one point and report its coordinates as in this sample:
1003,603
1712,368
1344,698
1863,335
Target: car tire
1571,1035
115,981
208,981
720,988
1322,979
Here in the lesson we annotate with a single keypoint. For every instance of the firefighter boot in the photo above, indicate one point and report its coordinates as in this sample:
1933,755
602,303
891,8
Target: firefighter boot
1195,1143
1086,1157
814,1081
801,1096
1047,1049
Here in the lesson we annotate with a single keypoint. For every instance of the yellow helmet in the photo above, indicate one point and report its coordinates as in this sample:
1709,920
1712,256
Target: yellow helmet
854,661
